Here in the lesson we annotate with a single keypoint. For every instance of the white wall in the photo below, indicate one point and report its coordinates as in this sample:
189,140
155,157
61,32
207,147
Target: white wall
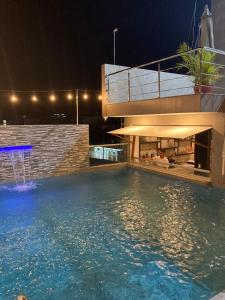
144,84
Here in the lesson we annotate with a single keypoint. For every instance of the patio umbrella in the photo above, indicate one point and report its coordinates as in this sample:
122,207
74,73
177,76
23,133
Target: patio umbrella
206,29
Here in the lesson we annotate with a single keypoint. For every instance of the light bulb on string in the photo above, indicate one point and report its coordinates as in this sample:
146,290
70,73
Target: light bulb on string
69,96
52,97
13,98
85,96
34,98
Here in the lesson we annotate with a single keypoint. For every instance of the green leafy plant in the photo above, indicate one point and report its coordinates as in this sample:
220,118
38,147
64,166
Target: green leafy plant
200,64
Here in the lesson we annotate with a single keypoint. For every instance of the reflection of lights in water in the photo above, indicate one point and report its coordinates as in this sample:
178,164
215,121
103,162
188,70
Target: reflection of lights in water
132,214
177,231
132,210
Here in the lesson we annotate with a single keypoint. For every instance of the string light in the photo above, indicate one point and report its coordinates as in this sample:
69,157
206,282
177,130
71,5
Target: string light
85,96
69,96
34,98
13,99
52,98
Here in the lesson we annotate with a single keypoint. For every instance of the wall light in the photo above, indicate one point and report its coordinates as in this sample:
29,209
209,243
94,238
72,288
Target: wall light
99,97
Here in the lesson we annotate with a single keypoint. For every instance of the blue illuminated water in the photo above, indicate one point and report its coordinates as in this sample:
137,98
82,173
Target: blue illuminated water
120,234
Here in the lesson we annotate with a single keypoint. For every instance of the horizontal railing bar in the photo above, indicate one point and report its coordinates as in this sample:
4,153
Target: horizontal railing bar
212,75
185,87
155,72
175,78
144,93
156,61
211,63
118,80
168,69
149,74
212,94
213,86
156,91
214,50
148,83
143,84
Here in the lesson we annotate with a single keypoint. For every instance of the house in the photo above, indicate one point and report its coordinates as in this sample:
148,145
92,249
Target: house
163,109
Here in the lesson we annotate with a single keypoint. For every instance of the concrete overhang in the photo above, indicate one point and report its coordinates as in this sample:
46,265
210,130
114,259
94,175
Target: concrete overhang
170,105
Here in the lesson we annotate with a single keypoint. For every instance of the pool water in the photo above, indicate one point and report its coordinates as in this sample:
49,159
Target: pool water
119,234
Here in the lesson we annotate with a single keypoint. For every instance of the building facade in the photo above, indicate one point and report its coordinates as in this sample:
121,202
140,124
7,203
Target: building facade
164,109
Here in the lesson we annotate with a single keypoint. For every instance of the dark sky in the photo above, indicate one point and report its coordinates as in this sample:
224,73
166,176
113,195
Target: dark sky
57,44
61,44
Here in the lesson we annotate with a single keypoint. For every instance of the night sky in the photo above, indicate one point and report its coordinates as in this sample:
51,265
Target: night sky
61,44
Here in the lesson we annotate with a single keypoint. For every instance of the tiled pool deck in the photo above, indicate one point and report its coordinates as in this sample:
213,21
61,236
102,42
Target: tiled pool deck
179,173
220,296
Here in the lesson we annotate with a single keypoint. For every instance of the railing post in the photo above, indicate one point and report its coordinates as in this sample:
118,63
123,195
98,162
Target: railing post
108,87
159,83
128,73
77,106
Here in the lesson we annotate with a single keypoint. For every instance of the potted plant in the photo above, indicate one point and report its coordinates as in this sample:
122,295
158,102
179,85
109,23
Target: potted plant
200,64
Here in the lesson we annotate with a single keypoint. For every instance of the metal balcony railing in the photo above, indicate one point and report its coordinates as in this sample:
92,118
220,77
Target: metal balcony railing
163,78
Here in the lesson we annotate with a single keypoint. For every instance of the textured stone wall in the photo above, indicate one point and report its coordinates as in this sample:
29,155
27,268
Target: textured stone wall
57,149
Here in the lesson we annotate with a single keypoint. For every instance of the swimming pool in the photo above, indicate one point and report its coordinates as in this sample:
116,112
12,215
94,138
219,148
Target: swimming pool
119,234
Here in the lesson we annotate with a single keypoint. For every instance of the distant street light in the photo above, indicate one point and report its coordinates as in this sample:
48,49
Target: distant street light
114,44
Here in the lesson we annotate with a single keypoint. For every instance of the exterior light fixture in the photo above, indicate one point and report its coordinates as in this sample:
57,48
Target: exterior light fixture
85,96
34,98
115,30
52,98
99,97
69,96
13,99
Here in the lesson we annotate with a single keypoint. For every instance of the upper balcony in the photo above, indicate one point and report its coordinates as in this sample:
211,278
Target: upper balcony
162,87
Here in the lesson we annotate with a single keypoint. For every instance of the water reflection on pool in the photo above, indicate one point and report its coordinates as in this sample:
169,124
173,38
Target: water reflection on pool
120,234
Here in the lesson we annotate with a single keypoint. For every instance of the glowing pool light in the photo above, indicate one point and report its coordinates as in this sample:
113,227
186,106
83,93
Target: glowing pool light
16,148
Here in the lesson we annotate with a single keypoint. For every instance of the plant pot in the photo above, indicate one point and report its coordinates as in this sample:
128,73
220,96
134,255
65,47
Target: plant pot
204,89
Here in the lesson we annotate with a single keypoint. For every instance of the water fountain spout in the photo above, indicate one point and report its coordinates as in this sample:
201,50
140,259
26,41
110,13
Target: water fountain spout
20,162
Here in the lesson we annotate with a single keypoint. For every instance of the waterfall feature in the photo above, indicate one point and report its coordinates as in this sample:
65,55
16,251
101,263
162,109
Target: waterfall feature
19,161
